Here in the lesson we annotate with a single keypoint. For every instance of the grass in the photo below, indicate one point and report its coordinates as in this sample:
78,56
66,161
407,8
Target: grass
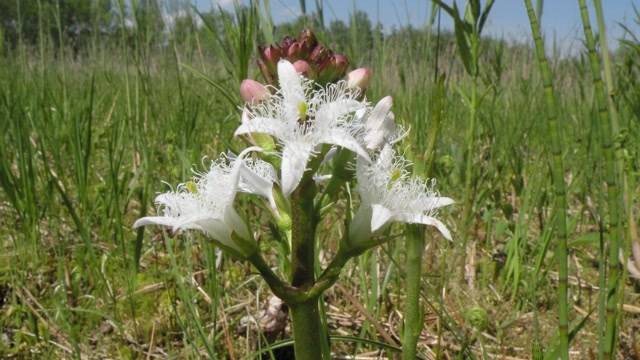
88,139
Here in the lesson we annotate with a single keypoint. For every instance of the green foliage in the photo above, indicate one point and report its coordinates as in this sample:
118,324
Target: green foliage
86,142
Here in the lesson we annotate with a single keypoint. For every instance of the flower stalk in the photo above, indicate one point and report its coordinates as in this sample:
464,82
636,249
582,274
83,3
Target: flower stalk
413,319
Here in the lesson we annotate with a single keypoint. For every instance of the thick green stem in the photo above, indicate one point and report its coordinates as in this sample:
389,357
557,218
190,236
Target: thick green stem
413,320
303,231
310,337
560,200
614,231
308,332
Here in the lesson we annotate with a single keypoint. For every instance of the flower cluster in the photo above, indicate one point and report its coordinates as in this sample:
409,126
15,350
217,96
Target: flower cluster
302,117
206,203
305,123
307,56
310,59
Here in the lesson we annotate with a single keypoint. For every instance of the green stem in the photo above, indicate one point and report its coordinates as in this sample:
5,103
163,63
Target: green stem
614,231
560,200
308,333
412,314
303,230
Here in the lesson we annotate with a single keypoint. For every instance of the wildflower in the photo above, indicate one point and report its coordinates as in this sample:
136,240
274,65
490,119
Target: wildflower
302,118
206,204
389,194
377,126
253,91
359,78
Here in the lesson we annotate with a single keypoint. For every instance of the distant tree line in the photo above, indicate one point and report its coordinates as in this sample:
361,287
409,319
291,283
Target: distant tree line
79,24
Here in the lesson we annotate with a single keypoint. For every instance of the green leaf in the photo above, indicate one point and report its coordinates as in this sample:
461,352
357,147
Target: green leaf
485,14
472,12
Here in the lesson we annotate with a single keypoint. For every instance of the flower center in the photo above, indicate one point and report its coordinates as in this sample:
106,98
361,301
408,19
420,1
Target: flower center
302,111
191,187
396,174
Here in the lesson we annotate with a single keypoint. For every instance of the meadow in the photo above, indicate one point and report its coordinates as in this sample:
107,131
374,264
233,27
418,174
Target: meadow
544,191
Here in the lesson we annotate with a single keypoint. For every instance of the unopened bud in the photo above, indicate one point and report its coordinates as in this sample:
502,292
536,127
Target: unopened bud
253,91
359,78
294,51
308,42
286,43
302,67
341,63
319,55
334,68
270,55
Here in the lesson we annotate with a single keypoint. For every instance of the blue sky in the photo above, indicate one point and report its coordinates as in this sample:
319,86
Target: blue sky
561,18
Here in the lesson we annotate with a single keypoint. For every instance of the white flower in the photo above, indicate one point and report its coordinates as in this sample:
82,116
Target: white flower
377,127
302,117
389,194
206,204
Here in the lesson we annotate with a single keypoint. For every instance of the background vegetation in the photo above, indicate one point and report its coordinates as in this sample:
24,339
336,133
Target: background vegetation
101,101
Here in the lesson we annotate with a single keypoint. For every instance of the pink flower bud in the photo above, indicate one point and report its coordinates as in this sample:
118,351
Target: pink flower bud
253,91
270,56
333,69
359,78
294,51
302,67
308,42
286,43
319,55
341,63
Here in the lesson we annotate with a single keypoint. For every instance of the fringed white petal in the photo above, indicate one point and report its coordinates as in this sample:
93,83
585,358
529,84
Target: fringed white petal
342,138
426,220
380,216
236,224
253,183
380,124
219,231
294,163
291,88
263,125
437,202
329,113
155,220
360,227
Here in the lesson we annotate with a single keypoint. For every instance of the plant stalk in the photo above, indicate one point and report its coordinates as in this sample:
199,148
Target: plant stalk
559,186
310,340
614,231
307,330
413,319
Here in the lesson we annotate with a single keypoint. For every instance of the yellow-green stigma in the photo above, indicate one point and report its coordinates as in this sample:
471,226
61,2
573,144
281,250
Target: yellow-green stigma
302,110
396,174
191,187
